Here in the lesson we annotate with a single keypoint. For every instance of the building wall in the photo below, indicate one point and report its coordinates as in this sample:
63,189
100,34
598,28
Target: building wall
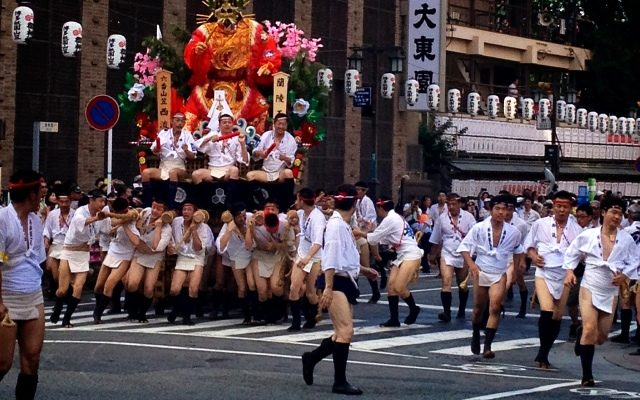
7,88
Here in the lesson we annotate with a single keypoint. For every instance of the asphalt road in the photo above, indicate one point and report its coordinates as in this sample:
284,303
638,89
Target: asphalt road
222,359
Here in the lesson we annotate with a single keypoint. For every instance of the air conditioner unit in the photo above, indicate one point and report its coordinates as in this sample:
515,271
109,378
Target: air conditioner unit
545,19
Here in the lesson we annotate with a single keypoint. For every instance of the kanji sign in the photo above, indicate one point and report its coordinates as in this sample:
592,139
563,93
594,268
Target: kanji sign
163,98
362,98
424,38
102,112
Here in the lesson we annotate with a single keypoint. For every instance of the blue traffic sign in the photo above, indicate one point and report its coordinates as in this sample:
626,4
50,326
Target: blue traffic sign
362,97
102,112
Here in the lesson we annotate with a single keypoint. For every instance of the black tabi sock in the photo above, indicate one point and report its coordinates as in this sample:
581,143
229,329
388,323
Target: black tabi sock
463,296
310,316
26,386
340,357
555,329
625,322
445,297
586,359
145,303
325,349
57,309
296,317
393,307
489,335
375,289
524,295
410,301
72,304
115,297
544,333
246,308
252,296
131,299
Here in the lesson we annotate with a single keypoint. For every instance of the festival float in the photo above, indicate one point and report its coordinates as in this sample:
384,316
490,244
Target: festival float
230,62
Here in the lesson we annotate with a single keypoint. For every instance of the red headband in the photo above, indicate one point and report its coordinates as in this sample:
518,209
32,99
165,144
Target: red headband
381,202
23,185
342,196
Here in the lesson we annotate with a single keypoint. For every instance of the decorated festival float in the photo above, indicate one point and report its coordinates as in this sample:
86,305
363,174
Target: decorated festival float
231,63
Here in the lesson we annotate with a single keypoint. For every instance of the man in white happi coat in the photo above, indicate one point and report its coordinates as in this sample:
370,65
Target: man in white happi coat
55,228
449,230
277,149
546,245
492,241
611,260
627,297
516,271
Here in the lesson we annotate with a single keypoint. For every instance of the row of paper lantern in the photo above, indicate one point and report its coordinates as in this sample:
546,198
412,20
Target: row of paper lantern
71,41
564,112
387,84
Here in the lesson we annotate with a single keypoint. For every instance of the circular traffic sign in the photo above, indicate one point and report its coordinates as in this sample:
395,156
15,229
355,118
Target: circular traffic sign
102,112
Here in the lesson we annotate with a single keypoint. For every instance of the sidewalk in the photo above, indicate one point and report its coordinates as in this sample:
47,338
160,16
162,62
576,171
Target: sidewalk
619,355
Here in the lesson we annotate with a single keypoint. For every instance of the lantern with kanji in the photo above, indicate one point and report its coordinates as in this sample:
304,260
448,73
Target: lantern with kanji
411,91
387,85
351,80
631,126
623,128
473,103
509,107
116,51
493,102
71,43
603,123
613,124
527,108
325,78
453,100
433,97
561,110
592,121
570,117
581,117
544,108
22,24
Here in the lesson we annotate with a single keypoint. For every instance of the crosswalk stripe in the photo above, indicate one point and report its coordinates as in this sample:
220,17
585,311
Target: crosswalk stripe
118,325
180,327
241,331
505,345
364,330
77,321
411,340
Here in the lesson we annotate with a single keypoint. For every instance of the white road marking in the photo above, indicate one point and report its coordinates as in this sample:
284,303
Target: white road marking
297,357
140,328
364,330
513,393
411,340
76,321
496,346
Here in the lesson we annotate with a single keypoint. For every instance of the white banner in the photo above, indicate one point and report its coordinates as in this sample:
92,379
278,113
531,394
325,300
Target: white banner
423,60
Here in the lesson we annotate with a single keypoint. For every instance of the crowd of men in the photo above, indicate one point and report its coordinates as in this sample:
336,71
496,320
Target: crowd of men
285,264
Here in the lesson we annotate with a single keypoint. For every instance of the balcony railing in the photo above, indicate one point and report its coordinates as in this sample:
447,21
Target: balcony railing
518,20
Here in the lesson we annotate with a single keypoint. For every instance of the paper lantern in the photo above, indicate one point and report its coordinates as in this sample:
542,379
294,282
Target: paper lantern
22,24
473,103
631,126
561,110
411,91
453,100
493,102
623,128
351,80
636,126
71,39
509,107
116,51
613,124
603,123
570,117
387,85
433,97
592,121
325,78
527,108
581,117
544,108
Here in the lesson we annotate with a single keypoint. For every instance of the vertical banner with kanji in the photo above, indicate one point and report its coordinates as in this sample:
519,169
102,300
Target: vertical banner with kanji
280,85
424,38
163,95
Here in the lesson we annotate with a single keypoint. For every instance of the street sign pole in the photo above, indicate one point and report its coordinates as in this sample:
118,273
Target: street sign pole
35,150
109,158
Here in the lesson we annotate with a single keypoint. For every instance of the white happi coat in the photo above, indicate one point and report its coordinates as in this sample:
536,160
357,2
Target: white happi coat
544,239
449,232
598,273
395,232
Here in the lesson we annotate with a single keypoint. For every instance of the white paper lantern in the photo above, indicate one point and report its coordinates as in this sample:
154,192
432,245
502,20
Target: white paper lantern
493,102
351,81
453,100
527,108
570,118
325,78
561,110
411,91
544,108
603,123
623,128
387,85
22,24
116,51
581,117
636,127
613,124
473,103
592,121
71,39
631,126
509,107
433,97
